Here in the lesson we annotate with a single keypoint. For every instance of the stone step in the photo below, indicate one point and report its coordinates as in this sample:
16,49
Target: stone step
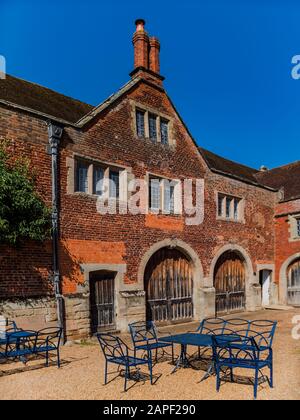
278,308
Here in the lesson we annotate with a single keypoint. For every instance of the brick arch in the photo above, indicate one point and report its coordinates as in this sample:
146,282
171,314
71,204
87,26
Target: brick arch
283,278
187,250
250,278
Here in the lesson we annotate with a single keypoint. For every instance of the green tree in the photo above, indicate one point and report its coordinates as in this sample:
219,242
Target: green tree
23,214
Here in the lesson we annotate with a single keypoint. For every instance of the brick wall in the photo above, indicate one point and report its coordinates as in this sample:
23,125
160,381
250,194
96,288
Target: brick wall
285,247
89,238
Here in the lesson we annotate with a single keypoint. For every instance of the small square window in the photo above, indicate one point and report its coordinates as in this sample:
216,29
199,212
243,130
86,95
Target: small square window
114,184
82,177
164,131
140,123
152,127
228,207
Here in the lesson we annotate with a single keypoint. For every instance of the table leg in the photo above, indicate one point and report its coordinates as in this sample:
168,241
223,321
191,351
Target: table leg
210,372
182,360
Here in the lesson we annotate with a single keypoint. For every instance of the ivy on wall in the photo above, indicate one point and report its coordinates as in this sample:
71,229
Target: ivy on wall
23,214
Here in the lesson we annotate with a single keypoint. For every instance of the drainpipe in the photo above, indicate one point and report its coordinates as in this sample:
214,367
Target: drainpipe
55,134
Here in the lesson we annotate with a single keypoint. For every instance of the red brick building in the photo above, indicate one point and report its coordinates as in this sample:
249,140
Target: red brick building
106,270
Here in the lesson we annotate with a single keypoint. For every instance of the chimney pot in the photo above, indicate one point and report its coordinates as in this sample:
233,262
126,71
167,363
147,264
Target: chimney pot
263,168
141,45
140,24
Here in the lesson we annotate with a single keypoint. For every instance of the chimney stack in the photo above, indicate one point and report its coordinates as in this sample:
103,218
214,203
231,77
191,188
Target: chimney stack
141,45
146,53
154,55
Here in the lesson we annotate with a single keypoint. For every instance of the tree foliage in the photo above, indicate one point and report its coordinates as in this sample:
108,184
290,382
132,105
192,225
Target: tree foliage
23,214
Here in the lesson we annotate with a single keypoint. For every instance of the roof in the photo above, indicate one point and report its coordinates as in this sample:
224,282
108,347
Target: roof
228,167
46,101
38,99
286,177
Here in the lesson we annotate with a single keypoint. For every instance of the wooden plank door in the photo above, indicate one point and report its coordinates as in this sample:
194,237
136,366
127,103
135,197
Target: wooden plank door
230,284
169,287
294,284
102,301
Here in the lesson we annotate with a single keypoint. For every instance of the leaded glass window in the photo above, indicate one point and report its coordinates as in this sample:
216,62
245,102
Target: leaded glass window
140,123
114,184
152,127
82,177
164,131
98,180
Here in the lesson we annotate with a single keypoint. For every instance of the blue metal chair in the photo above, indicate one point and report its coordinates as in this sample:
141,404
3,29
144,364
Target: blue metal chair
240,353
48,341
144,338
117,352
5,326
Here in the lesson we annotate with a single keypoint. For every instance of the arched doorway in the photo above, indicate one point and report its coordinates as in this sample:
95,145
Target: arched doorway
293,283
230,283
169,287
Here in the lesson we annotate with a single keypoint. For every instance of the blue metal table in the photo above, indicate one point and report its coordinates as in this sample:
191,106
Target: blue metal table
192,339
17,337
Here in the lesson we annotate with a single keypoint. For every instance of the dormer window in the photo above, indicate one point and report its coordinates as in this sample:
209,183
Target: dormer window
152,125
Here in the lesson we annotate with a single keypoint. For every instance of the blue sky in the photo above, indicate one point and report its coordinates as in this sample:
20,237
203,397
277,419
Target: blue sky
227,63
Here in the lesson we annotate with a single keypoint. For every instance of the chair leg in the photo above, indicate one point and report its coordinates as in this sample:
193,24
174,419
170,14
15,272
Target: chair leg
47,358
255,383
126,376
105,373
231,375
218,378
150,371
271,376
199,353
58,358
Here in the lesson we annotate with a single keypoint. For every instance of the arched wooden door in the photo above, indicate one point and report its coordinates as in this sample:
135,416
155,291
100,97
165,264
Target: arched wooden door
294,283
169,287
230,284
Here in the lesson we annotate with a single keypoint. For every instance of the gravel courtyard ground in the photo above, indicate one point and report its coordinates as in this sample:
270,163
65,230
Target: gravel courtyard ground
81,375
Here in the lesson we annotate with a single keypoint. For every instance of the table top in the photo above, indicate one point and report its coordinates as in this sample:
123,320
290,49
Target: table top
193,339
22,334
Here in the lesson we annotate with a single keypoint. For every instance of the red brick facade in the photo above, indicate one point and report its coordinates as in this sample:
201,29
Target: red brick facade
88,239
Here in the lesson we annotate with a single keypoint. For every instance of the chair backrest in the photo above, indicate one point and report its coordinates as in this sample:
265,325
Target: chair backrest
6,324
212,326
263,332
112,346
49,336
142,332
227,349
